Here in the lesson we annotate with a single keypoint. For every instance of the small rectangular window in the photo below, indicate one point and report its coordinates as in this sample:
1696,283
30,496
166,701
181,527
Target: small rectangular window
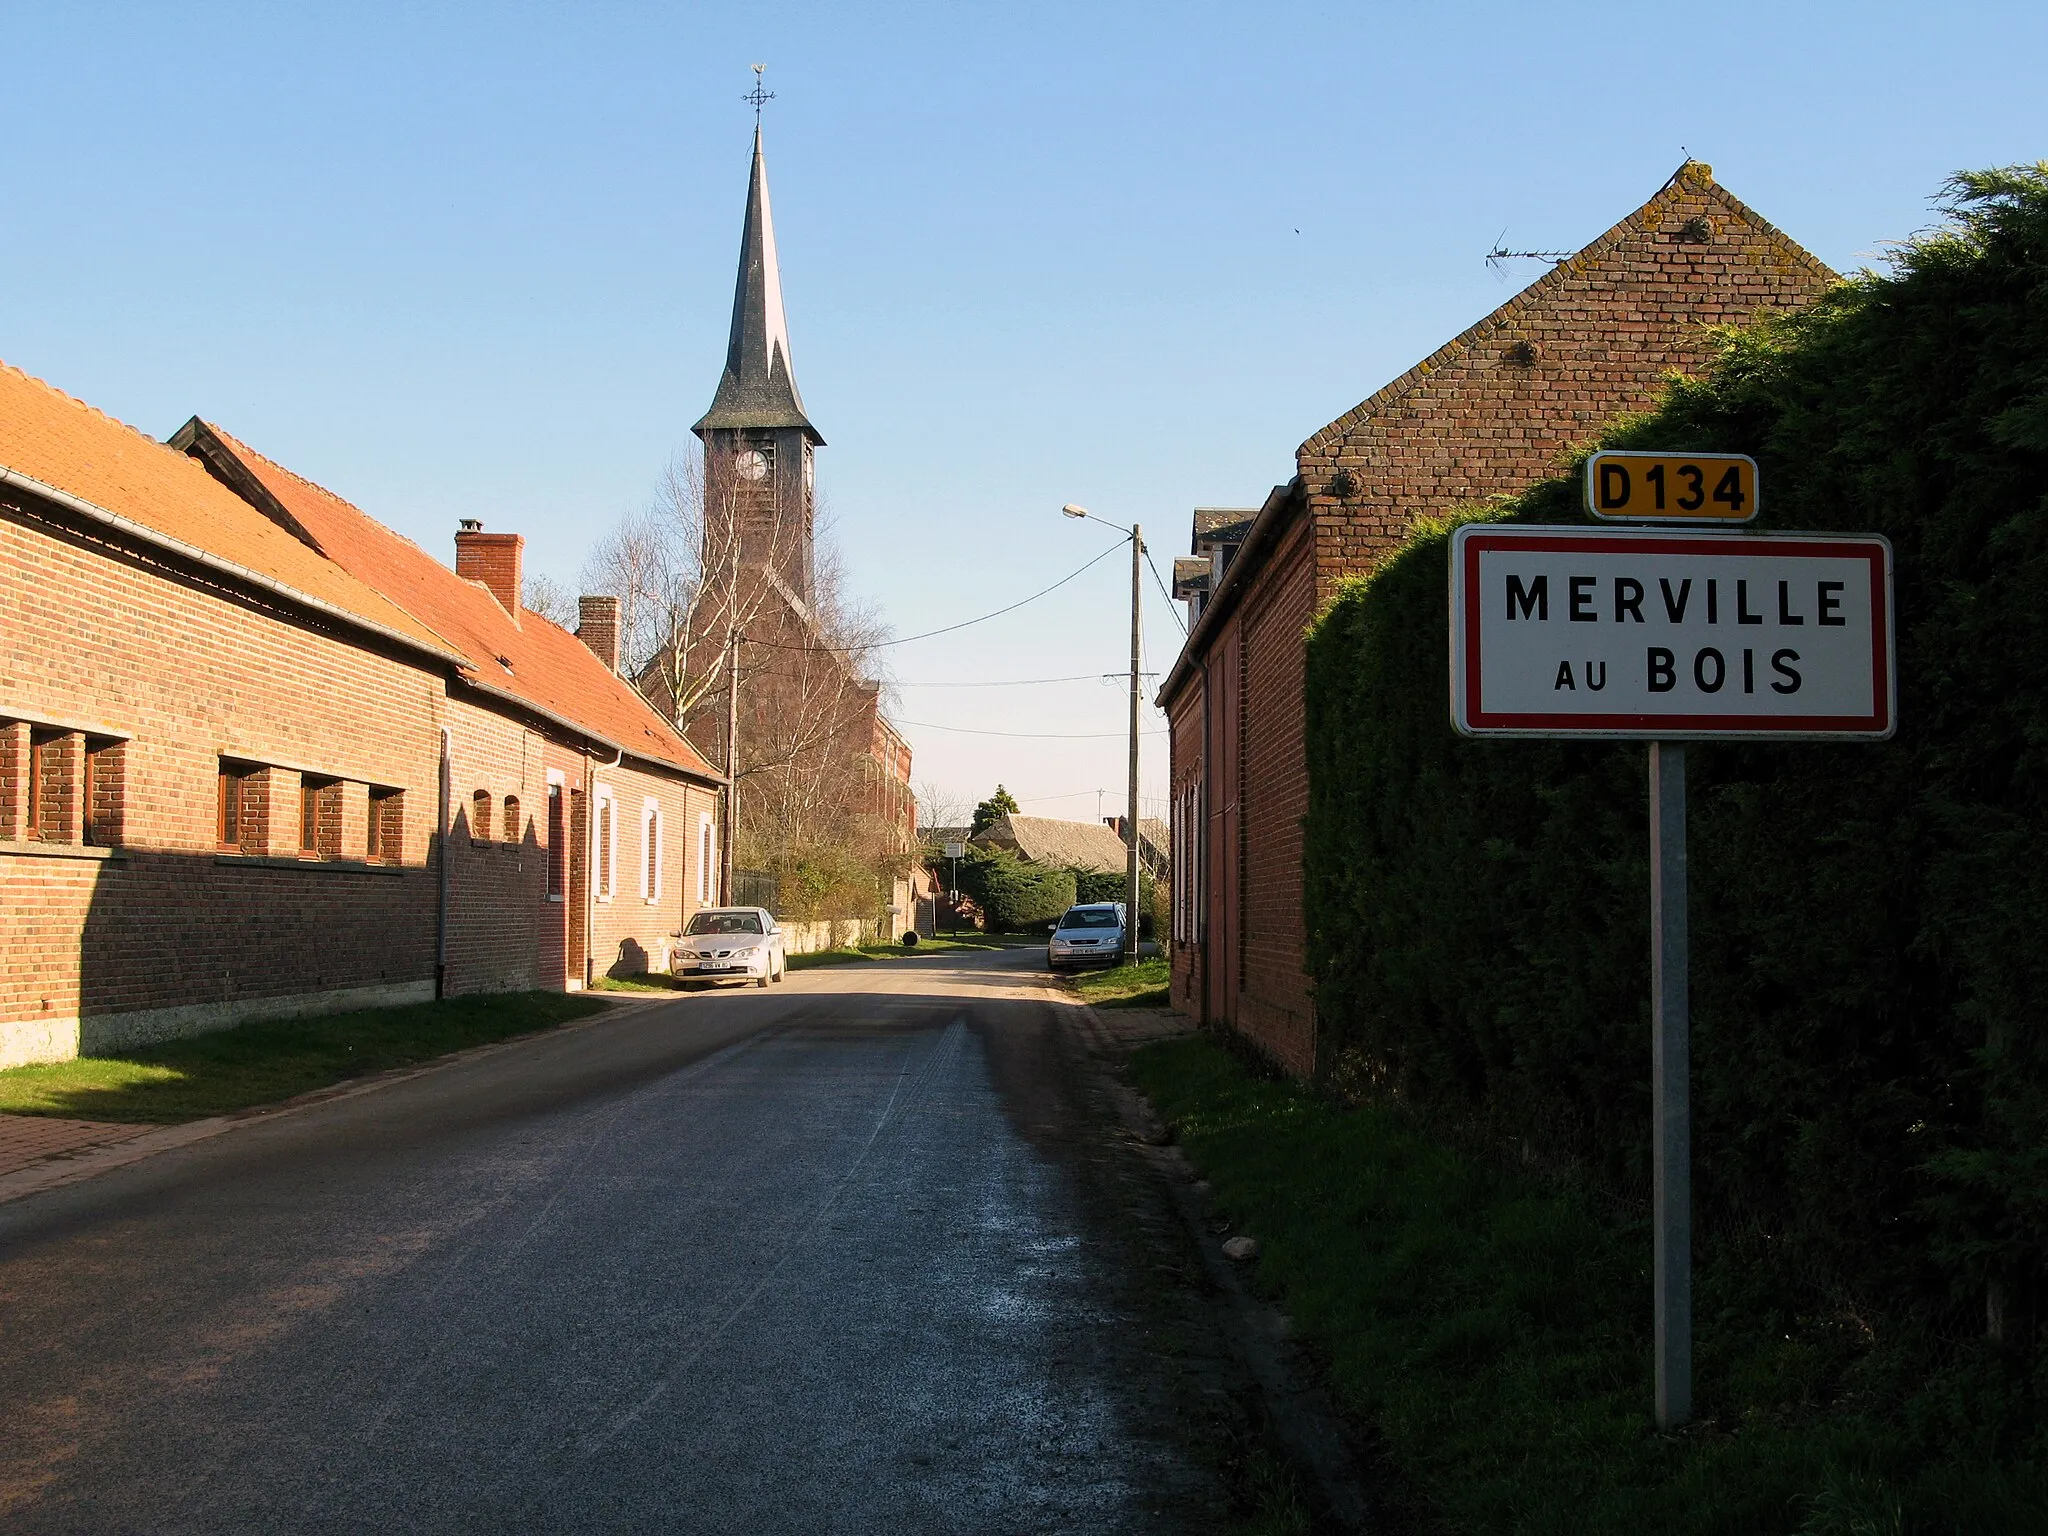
319,817
103,797
558,844
38,782
604,847
234,806
387,825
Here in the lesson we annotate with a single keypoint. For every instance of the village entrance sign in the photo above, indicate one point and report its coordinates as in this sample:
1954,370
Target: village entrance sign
1670,635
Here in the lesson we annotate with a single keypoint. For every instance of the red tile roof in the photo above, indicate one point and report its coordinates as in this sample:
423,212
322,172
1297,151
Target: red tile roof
549,668
64,445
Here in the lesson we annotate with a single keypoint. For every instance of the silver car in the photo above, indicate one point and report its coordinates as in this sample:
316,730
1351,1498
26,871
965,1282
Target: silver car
730,944
1087,935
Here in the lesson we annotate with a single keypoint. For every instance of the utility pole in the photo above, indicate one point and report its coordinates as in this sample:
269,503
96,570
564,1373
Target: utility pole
732,764
1131,819
1136,534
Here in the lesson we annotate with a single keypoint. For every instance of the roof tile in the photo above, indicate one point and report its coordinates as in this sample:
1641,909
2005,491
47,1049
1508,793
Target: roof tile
550,668
71,447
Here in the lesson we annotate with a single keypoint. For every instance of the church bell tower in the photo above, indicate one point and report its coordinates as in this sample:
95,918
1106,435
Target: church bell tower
757,440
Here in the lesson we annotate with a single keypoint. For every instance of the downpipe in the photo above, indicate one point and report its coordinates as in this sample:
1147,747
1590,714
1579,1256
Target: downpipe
590,767
441,872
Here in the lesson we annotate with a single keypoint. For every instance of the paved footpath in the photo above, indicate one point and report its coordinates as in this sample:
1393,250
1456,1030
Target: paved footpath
26,1140
864,1252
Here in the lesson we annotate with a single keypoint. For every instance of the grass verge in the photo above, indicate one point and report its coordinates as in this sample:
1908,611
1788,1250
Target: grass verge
853,954
645,981
845,954
1143,985
263,1063
1493,1330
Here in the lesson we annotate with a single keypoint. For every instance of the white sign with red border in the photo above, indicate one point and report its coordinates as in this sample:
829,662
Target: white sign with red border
1670,635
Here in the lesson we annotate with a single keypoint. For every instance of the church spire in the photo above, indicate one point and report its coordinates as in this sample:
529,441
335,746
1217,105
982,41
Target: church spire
758,388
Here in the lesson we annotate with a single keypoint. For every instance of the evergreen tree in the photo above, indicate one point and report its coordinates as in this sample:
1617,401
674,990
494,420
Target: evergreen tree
1001,803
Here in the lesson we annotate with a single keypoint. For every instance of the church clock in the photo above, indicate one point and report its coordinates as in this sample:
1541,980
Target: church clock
752,465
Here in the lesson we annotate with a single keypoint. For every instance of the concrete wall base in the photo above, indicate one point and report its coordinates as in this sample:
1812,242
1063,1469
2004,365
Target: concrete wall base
829,933
26,1041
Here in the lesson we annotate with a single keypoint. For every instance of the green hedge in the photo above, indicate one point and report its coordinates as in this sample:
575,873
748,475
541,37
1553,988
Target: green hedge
1092,885
1869,922
1014,896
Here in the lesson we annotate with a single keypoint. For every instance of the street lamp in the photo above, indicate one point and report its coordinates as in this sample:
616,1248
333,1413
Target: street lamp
1137,539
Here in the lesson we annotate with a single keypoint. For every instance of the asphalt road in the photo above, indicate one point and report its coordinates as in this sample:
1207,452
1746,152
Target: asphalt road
864,1252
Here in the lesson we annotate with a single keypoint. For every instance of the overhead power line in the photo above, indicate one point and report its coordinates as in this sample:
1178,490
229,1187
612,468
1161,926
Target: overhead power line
1171,611
962,730
950,628
1024,682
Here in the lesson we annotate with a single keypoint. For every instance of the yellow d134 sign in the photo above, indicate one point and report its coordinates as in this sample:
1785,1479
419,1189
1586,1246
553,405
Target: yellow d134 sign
1629,487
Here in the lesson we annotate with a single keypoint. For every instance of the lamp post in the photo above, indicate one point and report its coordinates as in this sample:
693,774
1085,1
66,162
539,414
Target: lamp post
1137,538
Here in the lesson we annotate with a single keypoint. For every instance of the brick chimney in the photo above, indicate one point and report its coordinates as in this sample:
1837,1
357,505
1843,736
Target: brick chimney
597,626
491,558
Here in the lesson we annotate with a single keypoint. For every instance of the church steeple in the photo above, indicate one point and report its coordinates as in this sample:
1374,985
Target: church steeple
758,388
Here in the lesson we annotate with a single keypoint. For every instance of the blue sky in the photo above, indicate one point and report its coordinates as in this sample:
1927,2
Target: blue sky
477,261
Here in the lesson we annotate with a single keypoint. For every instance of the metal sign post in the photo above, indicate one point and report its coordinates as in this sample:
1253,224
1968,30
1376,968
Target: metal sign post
954,852
1668,636
1670,1087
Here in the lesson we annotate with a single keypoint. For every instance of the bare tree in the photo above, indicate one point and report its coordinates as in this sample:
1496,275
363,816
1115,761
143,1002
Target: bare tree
542,594
698,566
940,807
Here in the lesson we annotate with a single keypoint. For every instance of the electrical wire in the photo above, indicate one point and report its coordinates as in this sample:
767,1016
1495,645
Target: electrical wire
950,628
1023,682
962,730
1172,613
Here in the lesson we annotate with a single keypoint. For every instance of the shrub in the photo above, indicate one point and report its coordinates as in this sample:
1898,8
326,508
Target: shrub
1869,977
1014,896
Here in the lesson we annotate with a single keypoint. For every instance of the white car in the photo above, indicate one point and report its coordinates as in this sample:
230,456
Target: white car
1088,935
730,944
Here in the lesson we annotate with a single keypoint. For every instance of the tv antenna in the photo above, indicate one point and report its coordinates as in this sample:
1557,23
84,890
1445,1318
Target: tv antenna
758,96
1498,258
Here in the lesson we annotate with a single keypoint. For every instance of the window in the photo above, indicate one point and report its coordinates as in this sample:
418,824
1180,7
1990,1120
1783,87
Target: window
480,816
237,803
707,859
42,818
58,785
513,826
319,817
607,835
558,843
103,800
650,857
387,825
723,922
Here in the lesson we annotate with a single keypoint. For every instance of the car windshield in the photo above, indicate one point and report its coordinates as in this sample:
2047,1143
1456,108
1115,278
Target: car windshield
1087,917
726,922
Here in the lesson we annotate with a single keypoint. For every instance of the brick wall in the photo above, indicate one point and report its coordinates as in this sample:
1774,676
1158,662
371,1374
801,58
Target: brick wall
1488,414
504,934
113,645
161,674
1499,406
1273,1006
1190,873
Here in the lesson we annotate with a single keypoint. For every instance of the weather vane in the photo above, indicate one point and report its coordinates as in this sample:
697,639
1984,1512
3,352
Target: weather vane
757,95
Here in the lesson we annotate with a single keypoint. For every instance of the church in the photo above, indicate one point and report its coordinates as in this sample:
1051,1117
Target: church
764,674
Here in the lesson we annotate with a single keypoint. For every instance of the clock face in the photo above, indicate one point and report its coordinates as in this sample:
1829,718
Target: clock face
752,465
